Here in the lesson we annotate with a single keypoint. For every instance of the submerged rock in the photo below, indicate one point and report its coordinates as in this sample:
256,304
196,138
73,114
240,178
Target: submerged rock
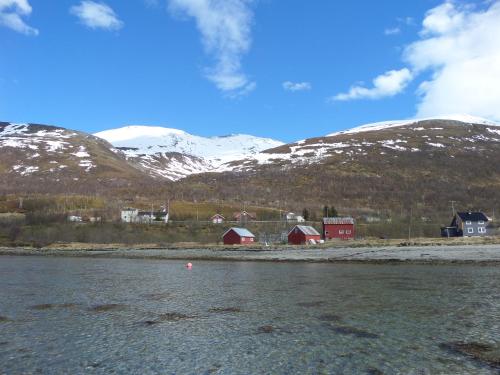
48,306
108,307
225,310
359,333
374,371
168,317
266,329
4,319
484,353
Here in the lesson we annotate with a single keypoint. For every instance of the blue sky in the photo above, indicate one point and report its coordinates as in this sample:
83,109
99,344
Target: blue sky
213,67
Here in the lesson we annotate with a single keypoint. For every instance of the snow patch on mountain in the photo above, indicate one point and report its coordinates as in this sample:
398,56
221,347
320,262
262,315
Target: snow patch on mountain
466,119
314,150
40,142
174,154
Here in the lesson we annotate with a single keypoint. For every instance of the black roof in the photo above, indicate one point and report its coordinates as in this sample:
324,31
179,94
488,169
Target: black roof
472,216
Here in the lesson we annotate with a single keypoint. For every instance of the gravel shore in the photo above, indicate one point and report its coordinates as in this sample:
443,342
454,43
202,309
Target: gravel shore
410,254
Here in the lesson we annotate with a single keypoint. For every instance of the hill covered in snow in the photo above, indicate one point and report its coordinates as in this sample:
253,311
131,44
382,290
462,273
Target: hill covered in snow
174,154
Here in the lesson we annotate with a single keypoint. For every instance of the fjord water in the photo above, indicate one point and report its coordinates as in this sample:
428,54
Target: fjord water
100,316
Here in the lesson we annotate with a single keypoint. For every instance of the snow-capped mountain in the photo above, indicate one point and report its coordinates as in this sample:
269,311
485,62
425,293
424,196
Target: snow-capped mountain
36,157
388,167
412,136
174,154
465,119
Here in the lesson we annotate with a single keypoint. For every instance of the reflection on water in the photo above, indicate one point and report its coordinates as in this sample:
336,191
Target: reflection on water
63,315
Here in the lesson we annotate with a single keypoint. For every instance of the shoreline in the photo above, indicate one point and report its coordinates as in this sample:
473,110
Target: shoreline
483,254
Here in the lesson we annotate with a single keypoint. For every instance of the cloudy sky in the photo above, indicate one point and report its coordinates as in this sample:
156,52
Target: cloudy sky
285,69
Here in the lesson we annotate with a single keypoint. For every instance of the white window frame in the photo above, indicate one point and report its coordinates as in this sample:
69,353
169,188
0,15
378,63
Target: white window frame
481,222
481,230
468,222
341,231
470,230
347,231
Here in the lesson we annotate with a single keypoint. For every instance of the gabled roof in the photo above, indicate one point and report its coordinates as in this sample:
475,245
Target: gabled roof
242,232
218,215
245,213
338,220
472,216
307,230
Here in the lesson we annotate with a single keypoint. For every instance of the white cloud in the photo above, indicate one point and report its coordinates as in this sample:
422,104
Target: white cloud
392,31
402,23
12,13
458,50
297,86
459,46
225,27
96,15
387,84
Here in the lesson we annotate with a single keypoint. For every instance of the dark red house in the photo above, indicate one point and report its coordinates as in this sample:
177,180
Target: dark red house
338,227
244,216
238,236
302,234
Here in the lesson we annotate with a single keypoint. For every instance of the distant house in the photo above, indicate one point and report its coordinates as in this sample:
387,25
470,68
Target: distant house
238,236
217,219
129,215
147,217
302,234
467,224
133,215
290,216
338,228
75,218
244,216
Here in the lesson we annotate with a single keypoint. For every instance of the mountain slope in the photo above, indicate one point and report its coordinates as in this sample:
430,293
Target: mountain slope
423,164
174,154
381,169
42,158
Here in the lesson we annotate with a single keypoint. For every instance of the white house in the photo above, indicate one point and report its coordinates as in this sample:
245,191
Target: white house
290,216
133,215
130,215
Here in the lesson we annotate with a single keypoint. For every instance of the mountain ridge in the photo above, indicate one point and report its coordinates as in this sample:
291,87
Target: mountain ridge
425,164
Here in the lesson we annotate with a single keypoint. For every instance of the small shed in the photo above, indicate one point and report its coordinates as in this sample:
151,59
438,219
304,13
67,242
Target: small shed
303,234
338,228
238,236
217,219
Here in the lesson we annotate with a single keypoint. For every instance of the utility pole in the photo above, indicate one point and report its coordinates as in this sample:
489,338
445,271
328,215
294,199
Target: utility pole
409,224
453,207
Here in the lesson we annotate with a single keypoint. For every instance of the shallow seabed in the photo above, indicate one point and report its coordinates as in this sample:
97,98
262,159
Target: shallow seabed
101,316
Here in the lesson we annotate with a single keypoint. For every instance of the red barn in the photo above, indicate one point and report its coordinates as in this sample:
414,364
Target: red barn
238,236
302,234
338,227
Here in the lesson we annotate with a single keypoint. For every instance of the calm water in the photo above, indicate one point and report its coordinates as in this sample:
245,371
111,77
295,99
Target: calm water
96,316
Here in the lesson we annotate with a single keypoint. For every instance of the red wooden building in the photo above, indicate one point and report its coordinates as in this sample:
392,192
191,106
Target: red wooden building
217,219
238,236
302,234
338,227
244,216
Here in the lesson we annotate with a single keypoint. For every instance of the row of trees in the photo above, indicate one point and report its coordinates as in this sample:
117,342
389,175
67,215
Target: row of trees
327,212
